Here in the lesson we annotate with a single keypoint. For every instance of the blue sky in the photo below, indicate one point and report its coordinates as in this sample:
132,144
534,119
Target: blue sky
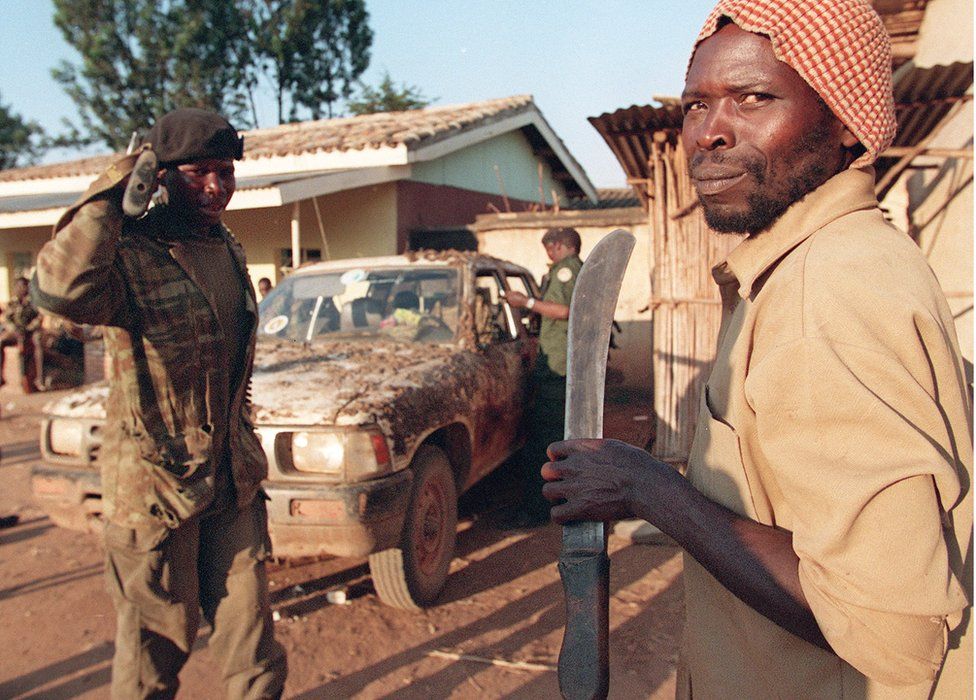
577,58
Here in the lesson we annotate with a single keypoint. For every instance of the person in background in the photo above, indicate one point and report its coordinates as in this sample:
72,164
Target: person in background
546,417
21,329
264,286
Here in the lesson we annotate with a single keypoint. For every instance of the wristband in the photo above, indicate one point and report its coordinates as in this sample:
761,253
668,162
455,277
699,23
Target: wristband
530,302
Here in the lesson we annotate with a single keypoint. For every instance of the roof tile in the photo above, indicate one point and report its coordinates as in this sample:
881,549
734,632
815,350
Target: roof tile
410,128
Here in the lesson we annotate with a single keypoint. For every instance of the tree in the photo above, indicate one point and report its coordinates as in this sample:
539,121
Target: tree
142,58
20,140
388,97
313,51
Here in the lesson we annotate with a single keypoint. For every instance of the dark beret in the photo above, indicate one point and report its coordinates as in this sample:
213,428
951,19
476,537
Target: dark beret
188,134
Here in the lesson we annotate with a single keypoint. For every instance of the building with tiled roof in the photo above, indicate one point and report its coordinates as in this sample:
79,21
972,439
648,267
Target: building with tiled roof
357,186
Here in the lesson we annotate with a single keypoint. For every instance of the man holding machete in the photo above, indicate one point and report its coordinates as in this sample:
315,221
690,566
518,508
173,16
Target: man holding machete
827,514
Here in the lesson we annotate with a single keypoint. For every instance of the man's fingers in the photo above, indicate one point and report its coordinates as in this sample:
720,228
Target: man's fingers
554,491
565,448
551,471
563,513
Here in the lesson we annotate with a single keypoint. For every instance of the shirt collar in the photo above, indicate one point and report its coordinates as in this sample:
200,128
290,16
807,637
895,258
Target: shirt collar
172,230
848,191
566,259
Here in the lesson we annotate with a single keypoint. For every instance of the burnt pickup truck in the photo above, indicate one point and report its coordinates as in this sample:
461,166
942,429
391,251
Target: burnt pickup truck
383,388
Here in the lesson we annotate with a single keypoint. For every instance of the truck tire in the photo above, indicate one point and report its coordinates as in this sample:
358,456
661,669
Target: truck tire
411,576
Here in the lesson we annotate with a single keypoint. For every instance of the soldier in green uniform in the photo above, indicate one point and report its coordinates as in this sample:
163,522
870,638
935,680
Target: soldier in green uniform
547,416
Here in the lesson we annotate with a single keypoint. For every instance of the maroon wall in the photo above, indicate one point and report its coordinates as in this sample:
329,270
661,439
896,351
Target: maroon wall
424,206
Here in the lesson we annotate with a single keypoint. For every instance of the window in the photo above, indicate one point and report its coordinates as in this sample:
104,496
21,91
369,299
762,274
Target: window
522,283
414,304
308,255
442,239
493,317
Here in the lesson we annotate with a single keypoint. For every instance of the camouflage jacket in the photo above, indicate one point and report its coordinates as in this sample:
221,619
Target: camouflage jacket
167,417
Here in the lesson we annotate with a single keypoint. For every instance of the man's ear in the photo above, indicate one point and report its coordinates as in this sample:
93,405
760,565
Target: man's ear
161,195
848,139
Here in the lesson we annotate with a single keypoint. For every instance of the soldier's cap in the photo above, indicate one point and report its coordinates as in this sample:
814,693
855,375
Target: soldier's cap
189,134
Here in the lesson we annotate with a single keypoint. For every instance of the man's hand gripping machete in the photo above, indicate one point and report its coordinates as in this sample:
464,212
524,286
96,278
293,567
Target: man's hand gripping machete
584,665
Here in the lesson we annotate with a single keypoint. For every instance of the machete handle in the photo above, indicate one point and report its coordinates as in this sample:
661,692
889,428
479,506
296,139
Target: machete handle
141,185
586,578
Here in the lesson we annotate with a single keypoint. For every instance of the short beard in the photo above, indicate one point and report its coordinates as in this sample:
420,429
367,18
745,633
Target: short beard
765,208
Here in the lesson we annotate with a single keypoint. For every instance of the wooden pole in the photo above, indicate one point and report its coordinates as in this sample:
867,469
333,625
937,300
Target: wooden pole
501,188
318,217
296,235
899,151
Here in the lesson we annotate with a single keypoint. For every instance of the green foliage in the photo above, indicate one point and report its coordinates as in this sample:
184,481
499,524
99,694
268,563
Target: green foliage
313,51
20,141
388,97
142,58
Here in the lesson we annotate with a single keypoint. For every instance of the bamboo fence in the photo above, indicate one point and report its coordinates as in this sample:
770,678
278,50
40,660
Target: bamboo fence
685,300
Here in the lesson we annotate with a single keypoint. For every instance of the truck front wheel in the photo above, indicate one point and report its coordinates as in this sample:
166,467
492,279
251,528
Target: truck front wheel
412,575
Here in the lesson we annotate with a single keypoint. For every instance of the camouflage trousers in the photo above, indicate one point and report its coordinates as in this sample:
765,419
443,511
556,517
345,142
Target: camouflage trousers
214,562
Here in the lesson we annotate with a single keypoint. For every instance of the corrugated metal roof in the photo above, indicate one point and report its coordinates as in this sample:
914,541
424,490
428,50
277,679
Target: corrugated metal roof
629,132
923,96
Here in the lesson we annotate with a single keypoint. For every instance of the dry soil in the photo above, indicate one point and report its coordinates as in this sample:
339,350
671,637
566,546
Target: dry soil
495,633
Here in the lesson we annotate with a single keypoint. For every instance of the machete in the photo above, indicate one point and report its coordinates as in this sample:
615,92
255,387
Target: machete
584,663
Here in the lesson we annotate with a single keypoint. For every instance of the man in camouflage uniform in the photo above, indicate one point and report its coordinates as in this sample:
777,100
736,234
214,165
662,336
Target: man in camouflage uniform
21,328
547,417
186,525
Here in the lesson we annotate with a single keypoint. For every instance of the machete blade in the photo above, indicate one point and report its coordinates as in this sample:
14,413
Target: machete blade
584,665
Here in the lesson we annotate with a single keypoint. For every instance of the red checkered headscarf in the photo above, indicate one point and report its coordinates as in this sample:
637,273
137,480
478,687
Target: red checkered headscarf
839,47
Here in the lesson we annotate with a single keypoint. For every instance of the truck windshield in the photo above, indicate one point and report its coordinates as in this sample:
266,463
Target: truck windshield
406,304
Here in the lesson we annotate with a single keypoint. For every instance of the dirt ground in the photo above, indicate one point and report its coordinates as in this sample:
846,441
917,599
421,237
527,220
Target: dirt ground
503,603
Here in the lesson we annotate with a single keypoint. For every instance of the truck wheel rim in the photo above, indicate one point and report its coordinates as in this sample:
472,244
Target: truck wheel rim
429,536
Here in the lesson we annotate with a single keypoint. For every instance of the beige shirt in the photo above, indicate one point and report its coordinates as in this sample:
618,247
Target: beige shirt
838,410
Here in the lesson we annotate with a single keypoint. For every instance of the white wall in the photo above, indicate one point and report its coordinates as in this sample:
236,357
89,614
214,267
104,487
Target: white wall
946,34
357,223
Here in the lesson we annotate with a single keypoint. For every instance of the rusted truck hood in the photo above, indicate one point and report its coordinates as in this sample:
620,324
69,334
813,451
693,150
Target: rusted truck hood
342,383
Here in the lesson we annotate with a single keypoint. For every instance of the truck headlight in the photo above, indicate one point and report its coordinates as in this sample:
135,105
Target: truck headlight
65,436
318,452
354,455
